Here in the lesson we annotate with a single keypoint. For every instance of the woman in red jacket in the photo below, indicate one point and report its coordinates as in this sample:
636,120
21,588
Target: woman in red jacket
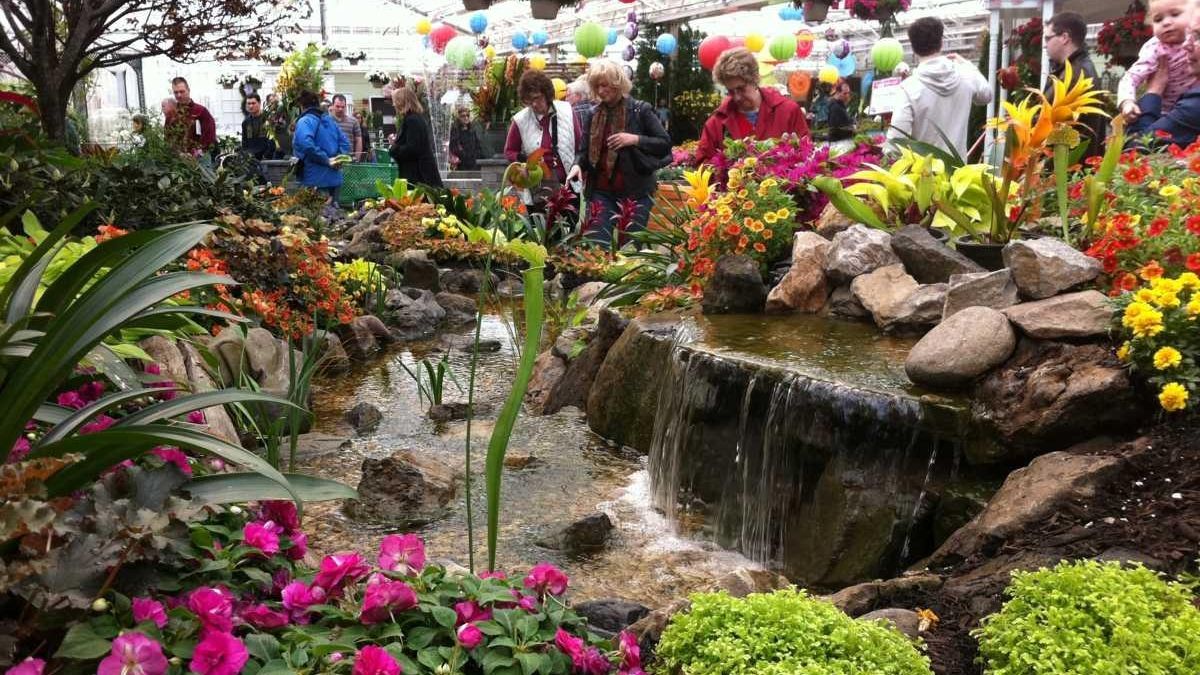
748,110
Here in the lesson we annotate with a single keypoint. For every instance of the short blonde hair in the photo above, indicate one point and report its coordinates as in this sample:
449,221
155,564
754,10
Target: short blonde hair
736,64
405,101
608,72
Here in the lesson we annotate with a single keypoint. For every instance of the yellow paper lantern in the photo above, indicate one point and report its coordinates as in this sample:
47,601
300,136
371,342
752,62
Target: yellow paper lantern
537,62
755,42
578,58
827,75
560,88
424,26
489,51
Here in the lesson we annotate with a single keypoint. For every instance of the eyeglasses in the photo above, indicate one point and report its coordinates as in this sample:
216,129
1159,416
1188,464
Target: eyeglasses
1051,36
742,90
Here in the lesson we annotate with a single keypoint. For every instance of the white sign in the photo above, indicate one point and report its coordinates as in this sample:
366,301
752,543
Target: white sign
886,96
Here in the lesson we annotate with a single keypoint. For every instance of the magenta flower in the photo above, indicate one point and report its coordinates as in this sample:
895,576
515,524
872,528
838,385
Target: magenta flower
339,569
298,597
214,608
469,611
30,666
493,574
403,553
92,391
546,578
147,609
631,653
262,536
99,423
528,603
175,456
219,653
282,513
468,636
372,660
133,654
70,399
263,618
594,662
19,450
197,417
299,546
383,597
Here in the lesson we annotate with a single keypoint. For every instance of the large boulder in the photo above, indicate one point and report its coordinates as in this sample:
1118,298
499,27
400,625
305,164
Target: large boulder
1030,496
182,363
590,533
548,369
862,598
736,287
414,313
467,280
459,308
405,490
610,616
260,355
882,292
587,294
334,358
573,387
1051,394
1073,315
928,260
366,242
624,396
919,312
420,272
843,305
857,250
960,349
980,289
1047,266
831,221
803,288
364,334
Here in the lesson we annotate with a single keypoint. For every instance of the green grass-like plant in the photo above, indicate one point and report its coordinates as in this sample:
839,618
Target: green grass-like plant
781,633
1086,617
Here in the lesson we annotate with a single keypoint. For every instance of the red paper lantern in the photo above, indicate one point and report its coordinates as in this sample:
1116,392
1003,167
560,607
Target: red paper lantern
440,36
804,43
712,47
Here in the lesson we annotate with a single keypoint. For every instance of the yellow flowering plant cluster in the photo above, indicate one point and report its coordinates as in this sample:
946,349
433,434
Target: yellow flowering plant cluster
356,277
1161,321
444,224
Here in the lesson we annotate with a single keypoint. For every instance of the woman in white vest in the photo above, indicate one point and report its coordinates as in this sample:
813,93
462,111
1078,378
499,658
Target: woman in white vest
543,123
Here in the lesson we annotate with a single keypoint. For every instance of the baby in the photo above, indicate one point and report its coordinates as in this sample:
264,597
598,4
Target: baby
1171,21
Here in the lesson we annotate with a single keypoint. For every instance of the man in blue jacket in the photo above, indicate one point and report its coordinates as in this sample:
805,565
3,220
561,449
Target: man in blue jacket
1181,123
317,143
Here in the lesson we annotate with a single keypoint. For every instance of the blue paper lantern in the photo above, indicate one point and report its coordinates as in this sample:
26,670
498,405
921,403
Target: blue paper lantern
666,44
867,80
519,41
846,65
478,22
613,34
539,37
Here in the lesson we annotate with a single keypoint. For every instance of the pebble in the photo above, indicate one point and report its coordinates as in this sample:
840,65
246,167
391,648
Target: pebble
1176,495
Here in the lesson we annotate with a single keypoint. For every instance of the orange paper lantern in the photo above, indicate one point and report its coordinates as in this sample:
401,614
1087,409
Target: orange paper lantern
799,84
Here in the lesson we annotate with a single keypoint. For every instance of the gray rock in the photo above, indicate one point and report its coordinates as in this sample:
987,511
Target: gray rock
518,459
857,250
334,358
861,598
804,287
316,444
743,581
1047,266
180,363
882,292
590,533
260,355
414,313
961,348
586,294
610,615
1073,315
568,344
364,334
466,343
919,312
1130,558
735,288
420,272
831,221
904,620
510,288
624,395
366,241
459,308
445,412
364,417
405,490
548,369
573,387
467,280
843,305
928,260
384,216
982,289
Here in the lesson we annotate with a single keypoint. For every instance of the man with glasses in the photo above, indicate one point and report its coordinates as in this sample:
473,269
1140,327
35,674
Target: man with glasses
1182,123
1065,41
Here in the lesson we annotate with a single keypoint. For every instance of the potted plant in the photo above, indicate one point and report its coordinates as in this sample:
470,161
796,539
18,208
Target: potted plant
544,9
815,11
251,81
355,55
1120,39
275,56
476,5
331,52
228,79
882,11
377,78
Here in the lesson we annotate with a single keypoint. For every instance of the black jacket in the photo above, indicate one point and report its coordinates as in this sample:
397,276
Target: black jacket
464,144
255,139
1093,128
413,152
653,142
841,125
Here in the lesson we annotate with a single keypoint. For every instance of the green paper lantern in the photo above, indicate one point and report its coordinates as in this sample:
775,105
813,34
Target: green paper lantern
591,39
886,55
460,52
782,47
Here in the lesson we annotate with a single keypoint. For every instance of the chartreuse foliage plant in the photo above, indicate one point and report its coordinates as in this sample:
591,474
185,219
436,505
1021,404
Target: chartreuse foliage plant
781,633
1086,617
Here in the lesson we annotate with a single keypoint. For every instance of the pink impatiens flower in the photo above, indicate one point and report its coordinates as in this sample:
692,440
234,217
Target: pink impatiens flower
469,636
631,654
197,417
384,596
299,546
133,654
339,569
148,609
403,553
298,597
214,608
262,536
263,617
469,611
546,579
19,450
30,666
372,660
219,653
175,456
282,513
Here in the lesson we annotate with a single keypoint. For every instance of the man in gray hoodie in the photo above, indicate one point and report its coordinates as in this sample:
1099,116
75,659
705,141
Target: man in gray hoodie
939,93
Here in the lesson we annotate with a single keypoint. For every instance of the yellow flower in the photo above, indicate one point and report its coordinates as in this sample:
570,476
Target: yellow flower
783,213
1133,310
1173,397
1167,357
771,218
1153,185
770,183
1193,307
742,194
1189,280
1170,191
1167,300
1123,352
1166,285
698,182
1144,295
1147,324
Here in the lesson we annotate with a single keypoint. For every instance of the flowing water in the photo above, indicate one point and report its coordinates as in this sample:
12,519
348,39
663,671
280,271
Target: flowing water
573,473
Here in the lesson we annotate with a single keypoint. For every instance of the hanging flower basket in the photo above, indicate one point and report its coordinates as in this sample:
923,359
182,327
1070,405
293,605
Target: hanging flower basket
378,78
476,5
883,11
1120,40
815,11
544,9
228,80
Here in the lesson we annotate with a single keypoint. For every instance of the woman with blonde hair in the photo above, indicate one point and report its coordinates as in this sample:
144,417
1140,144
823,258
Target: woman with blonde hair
748,110
412,149
623,145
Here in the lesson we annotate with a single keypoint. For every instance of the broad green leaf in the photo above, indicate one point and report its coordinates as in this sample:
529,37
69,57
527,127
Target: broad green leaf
81,642
233,488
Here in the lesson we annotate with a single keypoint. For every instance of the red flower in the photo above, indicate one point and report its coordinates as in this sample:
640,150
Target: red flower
1158,226
1162,134
1193,262
1194,164
1127,282
1193,224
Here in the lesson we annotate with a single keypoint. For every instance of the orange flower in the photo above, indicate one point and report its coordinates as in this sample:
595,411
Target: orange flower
760,247
767,233
1194,164
1151,270
743,242
733,230
1127,282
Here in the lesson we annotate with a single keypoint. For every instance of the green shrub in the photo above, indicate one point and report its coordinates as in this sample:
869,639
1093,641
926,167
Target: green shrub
1086,617
781,633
